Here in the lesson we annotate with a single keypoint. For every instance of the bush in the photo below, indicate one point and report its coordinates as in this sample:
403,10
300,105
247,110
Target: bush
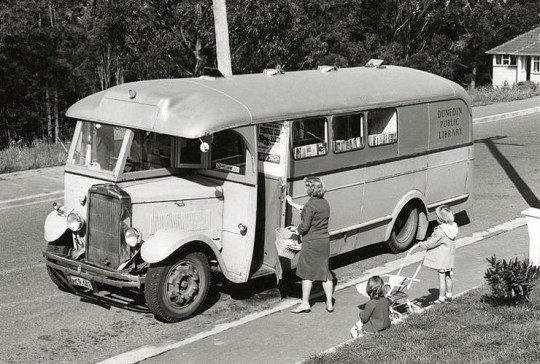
510,282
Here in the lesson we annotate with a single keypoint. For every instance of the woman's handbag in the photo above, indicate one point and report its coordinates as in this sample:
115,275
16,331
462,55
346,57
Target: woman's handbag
287,242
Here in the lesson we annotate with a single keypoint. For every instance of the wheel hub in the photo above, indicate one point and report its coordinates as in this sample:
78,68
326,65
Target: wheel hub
183,284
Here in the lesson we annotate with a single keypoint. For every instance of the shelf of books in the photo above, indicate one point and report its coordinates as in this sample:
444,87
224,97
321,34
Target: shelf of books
381,139
349,144
310,150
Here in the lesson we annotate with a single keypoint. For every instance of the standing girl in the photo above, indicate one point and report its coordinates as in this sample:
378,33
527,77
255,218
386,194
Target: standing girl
441,250
315,252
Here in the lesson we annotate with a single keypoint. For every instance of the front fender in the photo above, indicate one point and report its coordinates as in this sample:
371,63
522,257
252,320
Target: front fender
165,242
55,226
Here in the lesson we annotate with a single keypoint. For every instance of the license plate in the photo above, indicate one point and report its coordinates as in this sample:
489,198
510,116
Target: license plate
81,282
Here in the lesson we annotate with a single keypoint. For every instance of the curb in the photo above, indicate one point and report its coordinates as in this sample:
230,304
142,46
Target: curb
32,199
490,118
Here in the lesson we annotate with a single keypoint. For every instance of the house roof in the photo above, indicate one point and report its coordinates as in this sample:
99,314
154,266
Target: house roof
527,44
194,107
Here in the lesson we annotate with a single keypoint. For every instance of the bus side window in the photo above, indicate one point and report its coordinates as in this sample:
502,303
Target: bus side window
382,126
348,132
228,152
309,138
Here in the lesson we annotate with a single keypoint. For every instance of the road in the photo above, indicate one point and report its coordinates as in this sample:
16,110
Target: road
42,324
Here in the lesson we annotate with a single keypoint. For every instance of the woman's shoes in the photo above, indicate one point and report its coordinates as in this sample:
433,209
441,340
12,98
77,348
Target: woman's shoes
330,308
301,309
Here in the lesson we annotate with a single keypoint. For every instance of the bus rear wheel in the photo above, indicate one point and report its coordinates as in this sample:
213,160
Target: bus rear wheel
404,230
177,289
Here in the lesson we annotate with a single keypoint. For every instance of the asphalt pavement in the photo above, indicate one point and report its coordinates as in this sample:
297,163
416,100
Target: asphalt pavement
277,335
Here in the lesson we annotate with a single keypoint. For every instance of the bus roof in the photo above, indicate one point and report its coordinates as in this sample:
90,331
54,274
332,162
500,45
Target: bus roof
194,107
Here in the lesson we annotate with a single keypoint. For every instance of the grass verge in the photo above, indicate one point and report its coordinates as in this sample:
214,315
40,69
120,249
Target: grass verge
486,95
38,155
468,330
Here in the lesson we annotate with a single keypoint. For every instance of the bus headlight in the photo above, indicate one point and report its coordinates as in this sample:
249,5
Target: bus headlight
133,237
75,221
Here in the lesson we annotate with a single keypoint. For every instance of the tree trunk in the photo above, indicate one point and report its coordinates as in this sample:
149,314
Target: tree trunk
56,118
48,108
473,78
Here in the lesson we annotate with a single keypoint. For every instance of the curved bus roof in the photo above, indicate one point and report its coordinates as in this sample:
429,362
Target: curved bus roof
194,107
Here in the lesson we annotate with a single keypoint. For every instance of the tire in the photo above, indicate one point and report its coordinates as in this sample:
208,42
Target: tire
404,230
178,289
56,276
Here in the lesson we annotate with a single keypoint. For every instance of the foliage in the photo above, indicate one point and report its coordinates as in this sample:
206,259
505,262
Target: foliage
510,282
54,52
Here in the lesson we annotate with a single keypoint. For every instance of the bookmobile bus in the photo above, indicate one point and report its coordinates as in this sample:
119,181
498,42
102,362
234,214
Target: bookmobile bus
167,180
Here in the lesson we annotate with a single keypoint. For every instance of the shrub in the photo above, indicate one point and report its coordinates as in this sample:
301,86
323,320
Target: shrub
510,282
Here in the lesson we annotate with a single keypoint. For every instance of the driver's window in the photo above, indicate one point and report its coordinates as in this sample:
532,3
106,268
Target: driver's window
309,138
149,150
228,152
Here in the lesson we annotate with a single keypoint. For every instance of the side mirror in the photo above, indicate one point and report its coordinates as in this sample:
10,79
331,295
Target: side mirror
204,147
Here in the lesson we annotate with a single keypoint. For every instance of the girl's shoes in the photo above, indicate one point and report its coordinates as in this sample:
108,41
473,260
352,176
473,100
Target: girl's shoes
301,309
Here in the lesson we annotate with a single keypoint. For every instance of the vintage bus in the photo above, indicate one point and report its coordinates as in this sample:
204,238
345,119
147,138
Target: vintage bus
168,180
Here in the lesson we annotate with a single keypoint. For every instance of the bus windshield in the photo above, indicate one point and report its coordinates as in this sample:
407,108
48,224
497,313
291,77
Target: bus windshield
98,146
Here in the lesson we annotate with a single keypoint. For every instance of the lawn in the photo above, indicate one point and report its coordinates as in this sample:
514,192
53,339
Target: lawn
468,330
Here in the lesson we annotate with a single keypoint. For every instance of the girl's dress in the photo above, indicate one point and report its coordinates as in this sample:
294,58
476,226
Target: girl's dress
315,252
441,247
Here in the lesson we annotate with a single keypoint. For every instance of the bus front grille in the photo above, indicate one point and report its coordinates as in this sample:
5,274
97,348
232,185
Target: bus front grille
109,214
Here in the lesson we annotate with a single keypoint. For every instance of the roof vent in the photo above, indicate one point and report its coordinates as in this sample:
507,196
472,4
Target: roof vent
375,63
273,71
327,68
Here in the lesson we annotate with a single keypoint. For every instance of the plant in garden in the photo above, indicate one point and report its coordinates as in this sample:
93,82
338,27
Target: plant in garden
510,282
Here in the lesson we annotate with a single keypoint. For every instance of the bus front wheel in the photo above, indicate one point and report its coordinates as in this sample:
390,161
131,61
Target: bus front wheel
59,278
177,289
404,230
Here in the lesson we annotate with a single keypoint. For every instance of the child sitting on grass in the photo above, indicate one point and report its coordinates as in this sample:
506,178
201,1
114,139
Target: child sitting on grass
376,313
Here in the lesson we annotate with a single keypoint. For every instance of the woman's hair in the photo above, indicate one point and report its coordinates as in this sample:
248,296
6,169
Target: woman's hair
444,214
375,287
315,186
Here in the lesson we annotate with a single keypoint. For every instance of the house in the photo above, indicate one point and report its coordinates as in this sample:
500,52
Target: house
517,60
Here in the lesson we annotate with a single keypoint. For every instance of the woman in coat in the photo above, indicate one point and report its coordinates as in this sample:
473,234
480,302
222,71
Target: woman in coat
315,252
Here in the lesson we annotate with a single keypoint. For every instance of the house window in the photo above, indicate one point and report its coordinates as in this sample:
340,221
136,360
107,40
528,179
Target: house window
505,60
309,138
382,127
348,132
536,64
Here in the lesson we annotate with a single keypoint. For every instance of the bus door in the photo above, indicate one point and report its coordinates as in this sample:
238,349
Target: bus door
273,155
233,162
